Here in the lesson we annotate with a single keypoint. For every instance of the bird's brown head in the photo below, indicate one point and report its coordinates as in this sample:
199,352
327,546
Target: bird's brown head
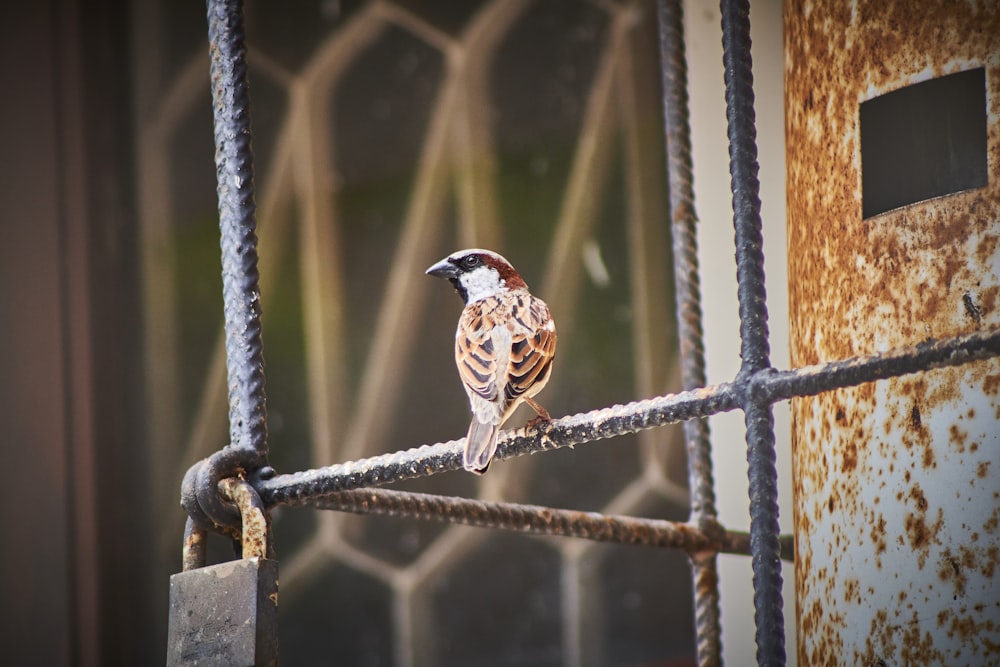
477,274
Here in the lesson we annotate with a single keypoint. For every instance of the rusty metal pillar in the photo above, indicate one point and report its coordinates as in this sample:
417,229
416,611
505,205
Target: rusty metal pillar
893,140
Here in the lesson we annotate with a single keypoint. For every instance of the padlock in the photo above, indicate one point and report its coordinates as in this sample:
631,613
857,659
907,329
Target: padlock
226,614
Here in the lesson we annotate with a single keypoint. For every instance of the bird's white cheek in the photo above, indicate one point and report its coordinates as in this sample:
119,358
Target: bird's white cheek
481,283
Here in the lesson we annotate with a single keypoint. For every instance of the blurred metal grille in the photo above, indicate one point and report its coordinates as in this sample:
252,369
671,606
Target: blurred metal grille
456,130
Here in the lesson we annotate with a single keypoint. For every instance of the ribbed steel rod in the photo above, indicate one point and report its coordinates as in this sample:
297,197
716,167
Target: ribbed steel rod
539,520
754,346
610,422
687,287
685,245
441,457
246,451
774,386
237,224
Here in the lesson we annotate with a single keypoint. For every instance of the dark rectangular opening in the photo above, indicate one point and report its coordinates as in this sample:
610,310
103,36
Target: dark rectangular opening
923,141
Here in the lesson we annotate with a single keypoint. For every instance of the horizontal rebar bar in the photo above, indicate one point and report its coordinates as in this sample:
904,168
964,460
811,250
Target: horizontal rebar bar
769,385
775,386
442,457
539,520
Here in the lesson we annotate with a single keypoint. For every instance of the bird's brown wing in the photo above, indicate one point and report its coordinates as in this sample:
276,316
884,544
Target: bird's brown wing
532,349
475,352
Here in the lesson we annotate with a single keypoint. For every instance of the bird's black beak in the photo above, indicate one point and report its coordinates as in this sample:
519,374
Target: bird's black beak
443,269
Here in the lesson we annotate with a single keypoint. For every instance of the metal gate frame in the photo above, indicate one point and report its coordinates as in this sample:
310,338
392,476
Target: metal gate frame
352,486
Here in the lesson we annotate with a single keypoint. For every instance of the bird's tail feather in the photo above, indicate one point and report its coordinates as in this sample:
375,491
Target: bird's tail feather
480,446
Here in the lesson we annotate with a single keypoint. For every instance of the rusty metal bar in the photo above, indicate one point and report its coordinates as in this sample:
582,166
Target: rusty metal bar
539,520
585,427
685,247
237,224
754,343
764,531
246,452
687,287
441,457
774,386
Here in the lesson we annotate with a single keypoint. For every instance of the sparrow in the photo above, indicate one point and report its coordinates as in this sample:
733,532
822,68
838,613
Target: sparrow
504,346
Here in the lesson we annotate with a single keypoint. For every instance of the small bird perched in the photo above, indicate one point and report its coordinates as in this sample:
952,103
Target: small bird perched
504,346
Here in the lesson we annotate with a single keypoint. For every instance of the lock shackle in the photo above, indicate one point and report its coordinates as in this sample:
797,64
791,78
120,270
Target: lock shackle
254,533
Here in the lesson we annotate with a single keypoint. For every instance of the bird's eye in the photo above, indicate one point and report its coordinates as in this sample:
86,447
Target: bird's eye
471,261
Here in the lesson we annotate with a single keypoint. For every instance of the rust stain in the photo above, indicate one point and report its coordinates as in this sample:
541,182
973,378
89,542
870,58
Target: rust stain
255,519
850,455
972,308
994,521
957,437
921,533
878,538
991,384
852,590
952,569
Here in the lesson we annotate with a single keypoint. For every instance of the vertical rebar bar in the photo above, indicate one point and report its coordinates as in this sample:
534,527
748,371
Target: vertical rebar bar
755,348
246,452
237,223
673,67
